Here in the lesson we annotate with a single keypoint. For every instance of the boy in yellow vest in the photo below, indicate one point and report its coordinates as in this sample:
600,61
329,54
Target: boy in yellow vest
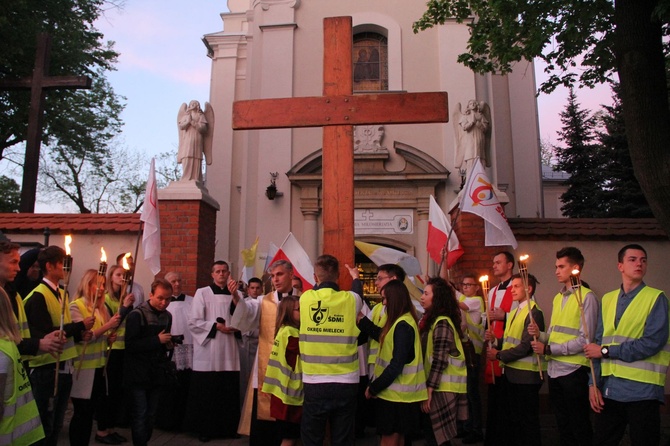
631,342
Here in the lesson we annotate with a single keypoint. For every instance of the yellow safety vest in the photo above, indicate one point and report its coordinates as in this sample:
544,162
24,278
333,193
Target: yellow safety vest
328,332
454,377
281,380
54,308
651,370
378,317
475,331
20,424
512,337
114,305
410,385
22,319
566,322
94,357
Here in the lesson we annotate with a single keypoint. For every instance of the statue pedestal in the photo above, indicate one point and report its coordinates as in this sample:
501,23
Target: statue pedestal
188,227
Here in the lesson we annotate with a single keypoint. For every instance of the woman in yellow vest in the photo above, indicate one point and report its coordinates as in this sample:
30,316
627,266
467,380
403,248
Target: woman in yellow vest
399,381
116,304
444,362
283,378
19,418
88,383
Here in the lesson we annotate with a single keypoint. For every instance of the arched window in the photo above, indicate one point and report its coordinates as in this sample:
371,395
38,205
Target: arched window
370,61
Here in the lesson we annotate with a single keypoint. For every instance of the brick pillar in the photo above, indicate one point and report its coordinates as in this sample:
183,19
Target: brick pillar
477,258
188,229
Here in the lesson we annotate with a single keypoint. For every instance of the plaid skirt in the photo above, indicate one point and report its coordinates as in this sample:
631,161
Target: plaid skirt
445,409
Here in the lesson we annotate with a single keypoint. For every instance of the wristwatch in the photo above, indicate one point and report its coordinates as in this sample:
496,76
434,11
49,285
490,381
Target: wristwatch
605,351
547,349
498,356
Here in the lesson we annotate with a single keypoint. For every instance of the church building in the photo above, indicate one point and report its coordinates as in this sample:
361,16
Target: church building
274,49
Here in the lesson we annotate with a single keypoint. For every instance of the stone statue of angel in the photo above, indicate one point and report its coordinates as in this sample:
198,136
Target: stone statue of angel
195,139
472,130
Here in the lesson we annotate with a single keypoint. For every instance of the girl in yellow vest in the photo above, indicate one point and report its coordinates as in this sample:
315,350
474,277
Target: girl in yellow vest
19,418
116,351
444,362
399,381
88,384
283,378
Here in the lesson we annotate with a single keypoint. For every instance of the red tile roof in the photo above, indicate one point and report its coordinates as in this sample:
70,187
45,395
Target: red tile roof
96,223
586,228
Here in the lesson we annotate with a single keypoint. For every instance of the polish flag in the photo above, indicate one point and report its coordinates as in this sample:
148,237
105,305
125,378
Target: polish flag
439,232
292,251
480,198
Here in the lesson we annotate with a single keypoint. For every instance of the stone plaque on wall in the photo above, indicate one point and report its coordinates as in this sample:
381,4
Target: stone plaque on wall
383,221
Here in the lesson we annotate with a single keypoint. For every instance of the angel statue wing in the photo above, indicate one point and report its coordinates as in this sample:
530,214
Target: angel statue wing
459,152
207,149
180,116
485,154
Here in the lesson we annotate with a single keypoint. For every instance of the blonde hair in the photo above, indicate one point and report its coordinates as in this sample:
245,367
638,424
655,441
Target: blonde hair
9,328
285,313
89,278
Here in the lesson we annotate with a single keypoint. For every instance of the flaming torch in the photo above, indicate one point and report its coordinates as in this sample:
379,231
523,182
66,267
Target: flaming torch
485,291
67,269
576,282
126,276
523,272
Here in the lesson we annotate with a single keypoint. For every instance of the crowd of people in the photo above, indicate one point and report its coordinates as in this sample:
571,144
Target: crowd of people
321,365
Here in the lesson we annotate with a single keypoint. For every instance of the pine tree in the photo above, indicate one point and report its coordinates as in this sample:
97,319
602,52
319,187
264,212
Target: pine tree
581,158
623,195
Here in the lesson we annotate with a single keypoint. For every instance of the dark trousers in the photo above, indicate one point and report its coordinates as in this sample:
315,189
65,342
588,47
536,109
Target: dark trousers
474,421
52,415
642,418
524,409
262,432
81,424
497,414
569,397
143,413
332,402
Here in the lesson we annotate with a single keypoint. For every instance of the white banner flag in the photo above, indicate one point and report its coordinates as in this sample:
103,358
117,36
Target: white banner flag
151,238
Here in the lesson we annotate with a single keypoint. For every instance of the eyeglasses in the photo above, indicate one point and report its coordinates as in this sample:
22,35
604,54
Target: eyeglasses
467,285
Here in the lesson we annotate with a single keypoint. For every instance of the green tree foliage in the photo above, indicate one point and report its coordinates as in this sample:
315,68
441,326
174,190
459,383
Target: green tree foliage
583,160
622,195
605,37
10,193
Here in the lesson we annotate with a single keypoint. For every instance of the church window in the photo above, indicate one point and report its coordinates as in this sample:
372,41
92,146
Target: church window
370,62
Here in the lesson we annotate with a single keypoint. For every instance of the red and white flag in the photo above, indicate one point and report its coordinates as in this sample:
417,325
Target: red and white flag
292,251
151,237
439,232
480,198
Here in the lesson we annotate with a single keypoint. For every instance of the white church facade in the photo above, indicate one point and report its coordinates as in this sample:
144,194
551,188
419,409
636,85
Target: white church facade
274,49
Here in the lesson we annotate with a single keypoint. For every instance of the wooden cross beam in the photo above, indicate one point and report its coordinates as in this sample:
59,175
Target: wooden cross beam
38,84
337,111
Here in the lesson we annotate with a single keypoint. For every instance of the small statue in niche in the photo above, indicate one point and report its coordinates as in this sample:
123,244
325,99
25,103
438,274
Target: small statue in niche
368,138
472,132
195,139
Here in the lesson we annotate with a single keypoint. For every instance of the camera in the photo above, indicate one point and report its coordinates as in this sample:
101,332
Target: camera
177,339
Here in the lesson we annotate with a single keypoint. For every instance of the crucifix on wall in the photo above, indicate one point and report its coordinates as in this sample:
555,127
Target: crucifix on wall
38,84
337,111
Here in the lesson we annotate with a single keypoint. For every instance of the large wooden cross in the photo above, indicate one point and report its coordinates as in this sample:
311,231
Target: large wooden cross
38,84
337,111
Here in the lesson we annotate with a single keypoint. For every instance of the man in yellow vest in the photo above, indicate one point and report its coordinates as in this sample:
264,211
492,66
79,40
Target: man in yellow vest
520,379
43,310
329,354
631,342
563,343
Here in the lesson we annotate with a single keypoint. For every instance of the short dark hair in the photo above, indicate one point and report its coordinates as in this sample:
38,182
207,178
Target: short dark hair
219,262
161,283
327,268
393,270
121,256
622,251
256,280
51,254
532,281
6,246
508,255
472,276
573,254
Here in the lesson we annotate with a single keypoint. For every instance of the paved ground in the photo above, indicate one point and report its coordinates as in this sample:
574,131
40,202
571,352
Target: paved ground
549,436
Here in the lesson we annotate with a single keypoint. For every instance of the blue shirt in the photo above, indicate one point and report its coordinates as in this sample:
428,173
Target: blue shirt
654,338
